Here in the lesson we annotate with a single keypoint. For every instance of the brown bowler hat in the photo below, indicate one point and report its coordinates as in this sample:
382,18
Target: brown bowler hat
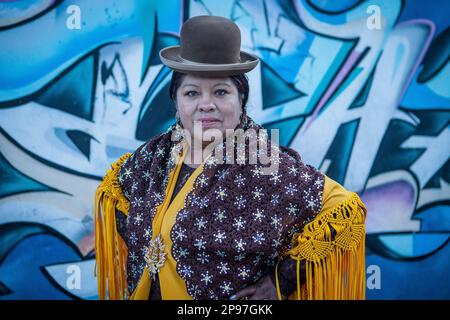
209,46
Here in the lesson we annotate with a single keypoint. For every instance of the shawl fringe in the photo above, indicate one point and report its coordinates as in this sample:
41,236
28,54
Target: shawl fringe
110,249
335,268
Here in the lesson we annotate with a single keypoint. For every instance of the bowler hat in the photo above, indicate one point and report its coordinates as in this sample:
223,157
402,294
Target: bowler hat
209,46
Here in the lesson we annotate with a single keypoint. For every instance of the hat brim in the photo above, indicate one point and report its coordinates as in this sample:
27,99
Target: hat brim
170,57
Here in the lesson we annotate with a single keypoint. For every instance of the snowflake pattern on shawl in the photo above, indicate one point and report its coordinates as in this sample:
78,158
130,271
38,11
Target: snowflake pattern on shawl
235,222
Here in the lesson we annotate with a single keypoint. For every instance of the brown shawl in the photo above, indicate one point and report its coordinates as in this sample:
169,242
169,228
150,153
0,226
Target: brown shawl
235,222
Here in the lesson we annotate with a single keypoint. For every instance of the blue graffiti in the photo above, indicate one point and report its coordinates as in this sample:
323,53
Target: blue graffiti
358,87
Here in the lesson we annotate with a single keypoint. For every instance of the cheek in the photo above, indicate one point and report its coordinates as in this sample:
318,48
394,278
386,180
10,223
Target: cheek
233,112
186,111
186,120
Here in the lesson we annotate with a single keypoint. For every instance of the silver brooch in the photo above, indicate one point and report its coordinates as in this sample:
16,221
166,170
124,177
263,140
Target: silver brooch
155,256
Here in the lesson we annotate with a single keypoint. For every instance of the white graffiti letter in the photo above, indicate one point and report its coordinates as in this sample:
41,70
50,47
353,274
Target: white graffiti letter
74,19
374,20
74,279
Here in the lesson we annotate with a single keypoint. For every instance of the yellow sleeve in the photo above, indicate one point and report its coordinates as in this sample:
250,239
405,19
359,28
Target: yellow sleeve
333,194
335,265
110,249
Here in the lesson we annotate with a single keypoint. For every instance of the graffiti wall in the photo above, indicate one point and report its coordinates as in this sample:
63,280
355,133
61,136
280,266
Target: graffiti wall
359,88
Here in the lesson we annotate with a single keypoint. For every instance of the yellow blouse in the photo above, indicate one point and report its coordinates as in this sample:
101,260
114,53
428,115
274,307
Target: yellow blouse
171,284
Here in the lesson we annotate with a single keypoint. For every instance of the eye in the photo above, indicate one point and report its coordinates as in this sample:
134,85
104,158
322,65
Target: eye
191,93
221,92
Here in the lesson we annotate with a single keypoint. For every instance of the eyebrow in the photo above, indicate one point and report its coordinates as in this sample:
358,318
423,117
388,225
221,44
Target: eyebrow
217,84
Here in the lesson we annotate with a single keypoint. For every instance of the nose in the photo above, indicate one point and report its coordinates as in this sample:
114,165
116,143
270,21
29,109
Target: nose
206,104
207,107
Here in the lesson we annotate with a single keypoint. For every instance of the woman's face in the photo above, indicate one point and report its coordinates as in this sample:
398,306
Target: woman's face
209,103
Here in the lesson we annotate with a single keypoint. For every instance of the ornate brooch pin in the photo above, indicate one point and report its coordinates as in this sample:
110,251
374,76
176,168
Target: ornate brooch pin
155,256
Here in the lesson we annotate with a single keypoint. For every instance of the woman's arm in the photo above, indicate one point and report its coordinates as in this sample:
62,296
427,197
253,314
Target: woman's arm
287,276
329,233
332,247
287,280
110,249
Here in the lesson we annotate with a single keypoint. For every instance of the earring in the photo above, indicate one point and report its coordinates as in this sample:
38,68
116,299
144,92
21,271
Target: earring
243,119
179,130
178,120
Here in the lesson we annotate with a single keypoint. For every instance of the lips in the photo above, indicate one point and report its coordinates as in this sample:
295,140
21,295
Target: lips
208,122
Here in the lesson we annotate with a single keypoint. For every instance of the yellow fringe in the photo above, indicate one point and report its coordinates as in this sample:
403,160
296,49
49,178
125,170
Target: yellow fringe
335,269
110,249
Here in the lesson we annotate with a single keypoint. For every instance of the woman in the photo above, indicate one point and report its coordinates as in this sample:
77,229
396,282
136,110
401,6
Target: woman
186,218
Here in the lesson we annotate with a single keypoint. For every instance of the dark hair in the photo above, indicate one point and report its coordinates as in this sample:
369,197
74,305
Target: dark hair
240,81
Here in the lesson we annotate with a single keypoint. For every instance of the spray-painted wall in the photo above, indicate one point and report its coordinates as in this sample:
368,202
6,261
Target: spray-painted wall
359,88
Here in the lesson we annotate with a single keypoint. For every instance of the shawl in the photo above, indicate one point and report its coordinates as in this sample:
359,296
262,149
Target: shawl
236,223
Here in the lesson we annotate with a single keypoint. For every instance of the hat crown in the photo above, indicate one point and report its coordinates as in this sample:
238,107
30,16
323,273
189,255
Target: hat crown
210,39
